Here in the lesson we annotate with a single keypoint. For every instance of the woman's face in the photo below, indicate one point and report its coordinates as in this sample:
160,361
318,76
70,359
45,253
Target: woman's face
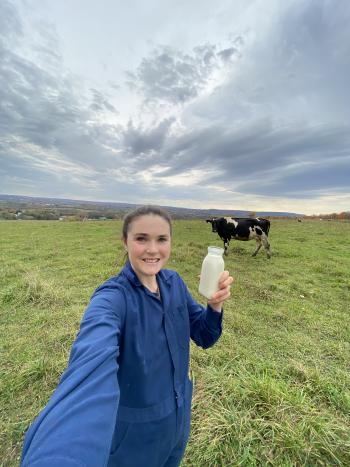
148,243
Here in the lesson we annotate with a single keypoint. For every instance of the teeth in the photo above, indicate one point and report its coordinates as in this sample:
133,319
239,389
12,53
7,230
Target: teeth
150,260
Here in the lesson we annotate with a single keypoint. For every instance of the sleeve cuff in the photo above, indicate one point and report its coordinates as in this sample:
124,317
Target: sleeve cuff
214,318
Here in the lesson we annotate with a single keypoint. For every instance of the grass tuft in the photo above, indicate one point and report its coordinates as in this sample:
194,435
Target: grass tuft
33,290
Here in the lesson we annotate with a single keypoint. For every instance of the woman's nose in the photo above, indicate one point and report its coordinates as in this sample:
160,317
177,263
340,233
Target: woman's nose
152,247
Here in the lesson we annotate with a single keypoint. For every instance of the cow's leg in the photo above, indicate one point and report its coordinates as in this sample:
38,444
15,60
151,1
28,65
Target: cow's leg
226,244
258,246
266,245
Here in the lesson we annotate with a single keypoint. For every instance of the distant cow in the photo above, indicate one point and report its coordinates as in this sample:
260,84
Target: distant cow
242,228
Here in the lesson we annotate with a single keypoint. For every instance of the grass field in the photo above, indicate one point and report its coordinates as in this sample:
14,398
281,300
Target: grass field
273,391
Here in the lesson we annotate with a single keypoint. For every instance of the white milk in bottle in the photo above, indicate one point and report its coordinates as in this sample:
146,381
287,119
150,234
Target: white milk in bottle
212,267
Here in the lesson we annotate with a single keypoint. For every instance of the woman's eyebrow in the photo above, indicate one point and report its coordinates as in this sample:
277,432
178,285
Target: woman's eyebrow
159,235
142,234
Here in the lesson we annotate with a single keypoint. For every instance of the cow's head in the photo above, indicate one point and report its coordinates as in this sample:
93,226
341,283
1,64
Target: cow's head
213,224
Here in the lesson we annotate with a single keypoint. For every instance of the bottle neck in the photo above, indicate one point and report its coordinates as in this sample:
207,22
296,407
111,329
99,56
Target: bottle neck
215,251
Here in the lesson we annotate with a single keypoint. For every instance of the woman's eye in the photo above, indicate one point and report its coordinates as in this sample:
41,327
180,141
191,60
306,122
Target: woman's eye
163,239
140,239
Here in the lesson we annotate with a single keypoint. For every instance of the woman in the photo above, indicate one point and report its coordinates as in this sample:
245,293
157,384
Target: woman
125,397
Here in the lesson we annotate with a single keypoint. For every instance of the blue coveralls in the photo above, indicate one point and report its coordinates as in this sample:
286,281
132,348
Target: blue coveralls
125,398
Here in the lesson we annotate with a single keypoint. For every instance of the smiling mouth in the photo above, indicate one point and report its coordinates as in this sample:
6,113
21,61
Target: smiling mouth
150,260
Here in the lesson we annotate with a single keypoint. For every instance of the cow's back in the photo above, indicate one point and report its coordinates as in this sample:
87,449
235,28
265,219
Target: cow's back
264,224
240,226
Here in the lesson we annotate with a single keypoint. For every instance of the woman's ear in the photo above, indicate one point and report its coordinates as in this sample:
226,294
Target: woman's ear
125,245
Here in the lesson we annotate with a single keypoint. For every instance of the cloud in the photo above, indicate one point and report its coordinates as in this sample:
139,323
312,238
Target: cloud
100,103
45,109
263,159
170,75
10,24
141,141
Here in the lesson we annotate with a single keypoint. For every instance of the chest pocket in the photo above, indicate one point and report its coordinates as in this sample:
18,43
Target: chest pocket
182,326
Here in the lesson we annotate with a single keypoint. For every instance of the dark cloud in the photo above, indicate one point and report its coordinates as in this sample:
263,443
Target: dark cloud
262,159
226,54
141,141
325,179
100,103
173,76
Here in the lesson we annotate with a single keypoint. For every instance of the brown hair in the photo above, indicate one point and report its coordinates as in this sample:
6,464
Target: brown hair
144,211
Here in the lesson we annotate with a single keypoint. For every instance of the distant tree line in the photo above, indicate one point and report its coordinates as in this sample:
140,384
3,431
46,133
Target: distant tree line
335,215
58,214
30,211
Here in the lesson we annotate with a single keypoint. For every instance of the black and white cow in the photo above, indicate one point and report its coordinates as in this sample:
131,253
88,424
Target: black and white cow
242,228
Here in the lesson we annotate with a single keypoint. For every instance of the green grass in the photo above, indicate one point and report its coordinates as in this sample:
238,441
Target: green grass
274,390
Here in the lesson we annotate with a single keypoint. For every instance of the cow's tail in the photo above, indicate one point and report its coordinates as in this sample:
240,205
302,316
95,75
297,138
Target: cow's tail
267,228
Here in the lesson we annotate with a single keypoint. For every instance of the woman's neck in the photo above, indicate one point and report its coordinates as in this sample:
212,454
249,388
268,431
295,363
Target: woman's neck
151,285
150,282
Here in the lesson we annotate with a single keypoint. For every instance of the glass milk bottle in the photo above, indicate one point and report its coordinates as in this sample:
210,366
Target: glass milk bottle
212,267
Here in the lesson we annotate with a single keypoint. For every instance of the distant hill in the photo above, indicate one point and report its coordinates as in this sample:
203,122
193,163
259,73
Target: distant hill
21,202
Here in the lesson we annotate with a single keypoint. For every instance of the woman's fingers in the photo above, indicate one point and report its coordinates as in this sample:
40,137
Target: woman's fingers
223,293
225,280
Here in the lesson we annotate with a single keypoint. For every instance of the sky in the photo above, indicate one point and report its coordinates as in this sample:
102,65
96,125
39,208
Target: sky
237,104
